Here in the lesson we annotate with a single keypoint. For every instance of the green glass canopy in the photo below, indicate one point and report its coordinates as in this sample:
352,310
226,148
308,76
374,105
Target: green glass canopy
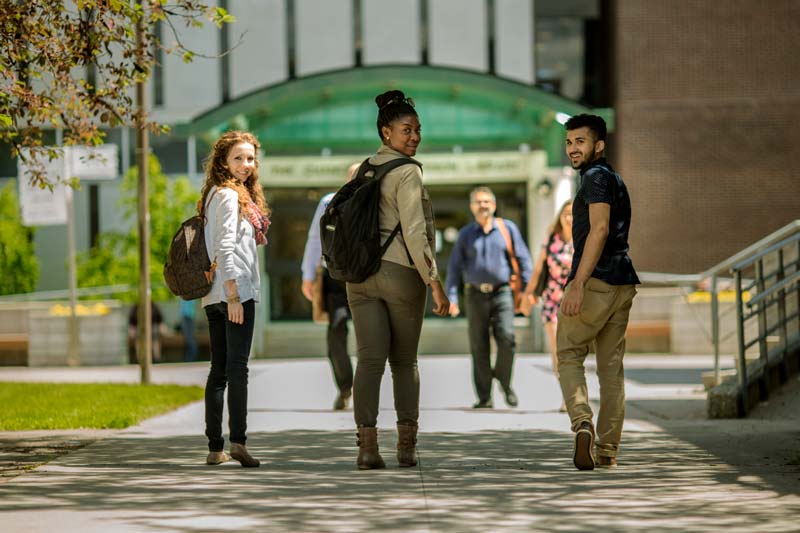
336,111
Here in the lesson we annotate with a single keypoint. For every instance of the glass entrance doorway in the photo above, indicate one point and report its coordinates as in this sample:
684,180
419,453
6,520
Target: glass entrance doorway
294,207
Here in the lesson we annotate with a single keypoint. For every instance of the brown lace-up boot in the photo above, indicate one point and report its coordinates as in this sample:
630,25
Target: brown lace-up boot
407,443
368,455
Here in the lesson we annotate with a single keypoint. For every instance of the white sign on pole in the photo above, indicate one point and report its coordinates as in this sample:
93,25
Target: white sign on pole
97,162
43,207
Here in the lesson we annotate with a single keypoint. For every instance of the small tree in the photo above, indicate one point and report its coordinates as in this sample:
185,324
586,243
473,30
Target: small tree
18,263
115,257
73,65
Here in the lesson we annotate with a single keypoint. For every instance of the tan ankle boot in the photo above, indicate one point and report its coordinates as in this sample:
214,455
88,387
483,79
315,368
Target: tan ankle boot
239,453
368,456
217,458
407,444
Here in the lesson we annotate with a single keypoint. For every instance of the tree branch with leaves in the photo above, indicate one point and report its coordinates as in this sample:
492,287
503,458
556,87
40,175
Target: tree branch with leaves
72,66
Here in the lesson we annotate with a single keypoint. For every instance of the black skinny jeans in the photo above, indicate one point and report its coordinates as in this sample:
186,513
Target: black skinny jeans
230,351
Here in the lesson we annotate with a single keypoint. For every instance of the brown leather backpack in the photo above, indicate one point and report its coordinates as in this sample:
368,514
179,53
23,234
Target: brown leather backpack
189,272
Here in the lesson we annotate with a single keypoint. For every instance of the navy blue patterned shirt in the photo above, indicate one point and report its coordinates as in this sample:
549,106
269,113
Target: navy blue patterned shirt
600,184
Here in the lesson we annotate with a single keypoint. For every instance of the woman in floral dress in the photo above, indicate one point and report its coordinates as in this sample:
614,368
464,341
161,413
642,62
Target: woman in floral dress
556,255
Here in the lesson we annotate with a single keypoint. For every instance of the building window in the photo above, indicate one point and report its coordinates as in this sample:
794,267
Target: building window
560,55
574,54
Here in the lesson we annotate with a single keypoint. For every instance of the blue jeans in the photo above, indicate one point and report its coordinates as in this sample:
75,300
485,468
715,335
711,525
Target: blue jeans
189,339
491,312
230,351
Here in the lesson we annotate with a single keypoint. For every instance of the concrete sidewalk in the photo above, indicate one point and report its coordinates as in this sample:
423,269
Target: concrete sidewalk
500,470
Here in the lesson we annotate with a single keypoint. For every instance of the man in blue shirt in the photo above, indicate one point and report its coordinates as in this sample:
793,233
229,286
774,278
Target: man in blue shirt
480,259
598,297
335,298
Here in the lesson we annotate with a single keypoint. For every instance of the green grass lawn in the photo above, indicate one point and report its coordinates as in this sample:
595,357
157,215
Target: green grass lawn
26,406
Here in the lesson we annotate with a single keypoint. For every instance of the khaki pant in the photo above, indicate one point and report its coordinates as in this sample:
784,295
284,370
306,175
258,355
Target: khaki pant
387,310
603,320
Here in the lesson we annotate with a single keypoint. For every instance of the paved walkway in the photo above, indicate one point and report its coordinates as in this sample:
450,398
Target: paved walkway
502,470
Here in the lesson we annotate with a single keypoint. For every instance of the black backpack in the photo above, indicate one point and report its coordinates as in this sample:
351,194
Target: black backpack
189,272
349,230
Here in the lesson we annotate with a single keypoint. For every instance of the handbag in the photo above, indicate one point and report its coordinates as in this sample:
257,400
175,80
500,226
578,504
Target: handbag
515,281
544,273
318,312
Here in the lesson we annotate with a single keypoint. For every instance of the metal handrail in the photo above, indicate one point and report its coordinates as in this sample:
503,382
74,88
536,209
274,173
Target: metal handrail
769,292
777,287
776,236
744,263
716,273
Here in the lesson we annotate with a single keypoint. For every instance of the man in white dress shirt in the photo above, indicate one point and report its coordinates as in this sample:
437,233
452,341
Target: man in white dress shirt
335,298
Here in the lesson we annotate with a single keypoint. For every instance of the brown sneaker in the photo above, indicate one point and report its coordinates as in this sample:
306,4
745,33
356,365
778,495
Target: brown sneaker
584,445
217,458
604,461
239,453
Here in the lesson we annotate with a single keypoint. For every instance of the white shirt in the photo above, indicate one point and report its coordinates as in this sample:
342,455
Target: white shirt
312,256
230,240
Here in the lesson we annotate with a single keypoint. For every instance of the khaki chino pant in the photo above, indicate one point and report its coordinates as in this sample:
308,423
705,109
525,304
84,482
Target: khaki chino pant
603,320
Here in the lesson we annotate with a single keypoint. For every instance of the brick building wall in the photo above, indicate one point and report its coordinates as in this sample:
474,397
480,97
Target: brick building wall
707,99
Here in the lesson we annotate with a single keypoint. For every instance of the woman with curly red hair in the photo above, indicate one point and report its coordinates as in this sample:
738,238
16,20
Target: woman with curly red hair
237,219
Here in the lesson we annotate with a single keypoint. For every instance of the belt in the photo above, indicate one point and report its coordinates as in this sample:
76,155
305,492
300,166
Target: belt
485,288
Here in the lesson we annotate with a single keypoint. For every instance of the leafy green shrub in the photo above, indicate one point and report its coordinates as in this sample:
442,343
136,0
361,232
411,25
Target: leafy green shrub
18,263
115,258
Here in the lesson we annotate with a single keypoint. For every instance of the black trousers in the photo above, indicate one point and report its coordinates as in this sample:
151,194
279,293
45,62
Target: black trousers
335,293
491,313
230,352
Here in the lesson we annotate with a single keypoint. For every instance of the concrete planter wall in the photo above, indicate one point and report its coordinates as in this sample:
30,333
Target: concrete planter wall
690,328
102,336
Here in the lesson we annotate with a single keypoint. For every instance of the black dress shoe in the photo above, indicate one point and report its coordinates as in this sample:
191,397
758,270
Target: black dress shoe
483,404
511,398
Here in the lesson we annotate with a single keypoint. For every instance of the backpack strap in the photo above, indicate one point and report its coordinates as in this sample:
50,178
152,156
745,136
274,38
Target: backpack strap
210,273
208,201
379,172
385,168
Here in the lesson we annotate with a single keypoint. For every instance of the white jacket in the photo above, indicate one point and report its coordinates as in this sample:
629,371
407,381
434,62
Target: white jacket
231,240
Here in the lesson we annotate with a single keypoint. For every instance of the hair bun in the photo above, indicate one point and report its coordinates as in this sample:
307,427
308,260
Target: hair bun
391,97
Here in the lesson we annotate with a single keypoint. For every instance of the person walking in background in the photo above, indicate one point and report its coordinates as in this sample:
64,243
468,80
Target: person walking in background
236,223
187,330
481,260
598,296
388,307
157,328
334,295
554,263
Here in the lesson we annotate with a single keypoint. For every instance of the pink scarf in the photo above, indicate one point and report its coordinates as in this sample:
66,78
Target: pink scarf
260,222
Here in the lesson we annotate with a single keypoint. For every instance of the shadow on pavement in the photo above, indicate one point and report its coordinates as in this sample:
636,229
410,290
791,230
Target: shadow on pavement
483,481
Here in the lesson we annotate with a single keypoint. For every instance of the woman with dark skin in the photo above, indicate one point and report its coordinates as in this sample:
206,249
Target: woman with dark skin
388,307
